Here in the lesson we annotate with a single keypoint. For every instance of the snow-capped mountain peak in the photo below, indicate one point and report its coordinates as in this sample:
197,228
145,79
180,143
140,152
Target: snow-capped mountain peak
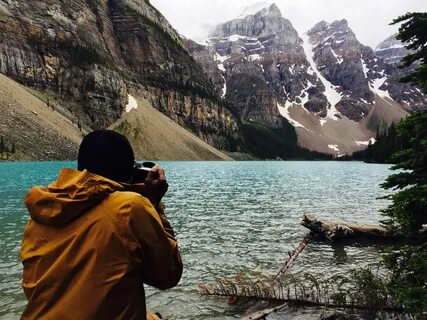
257,7
330,87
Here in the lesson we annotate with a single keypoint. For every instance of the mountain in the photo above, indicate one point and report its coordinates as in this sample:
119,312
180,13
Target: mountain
332,89
391,50
88,56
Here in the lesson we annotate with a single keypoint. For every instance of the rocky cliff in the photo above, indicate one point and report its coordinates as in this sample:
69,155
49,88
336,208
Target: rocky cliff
89,52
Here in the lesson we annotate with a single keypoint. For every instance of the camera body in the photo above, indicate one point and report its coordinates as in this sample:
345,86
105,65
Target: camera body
140,171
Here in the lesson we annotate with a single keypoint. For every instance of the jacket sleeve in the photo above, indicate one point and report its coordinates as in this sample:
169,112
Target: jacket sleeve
161,260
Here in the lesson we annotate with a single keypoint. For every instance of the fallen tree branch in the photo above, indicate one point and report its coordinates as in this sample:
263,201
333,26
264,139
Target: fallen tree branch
308,303
260,315
293,256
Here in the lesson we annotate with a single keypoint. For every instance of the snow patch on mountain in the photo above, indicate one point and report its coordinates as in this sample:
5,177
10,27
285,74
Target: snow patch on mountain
284,111
224,89
220,60
366,143
339,59
375,87
394,46
365,68
254,57
330,92
132,104
334,147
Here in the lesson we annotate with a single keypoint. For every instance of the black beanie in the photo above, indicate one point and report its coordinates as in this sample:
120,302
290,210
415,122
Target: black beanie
108,154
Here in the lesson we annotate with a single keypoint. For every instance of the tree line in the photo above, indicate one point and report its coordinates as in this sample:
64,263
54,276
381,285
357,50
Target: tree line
387,143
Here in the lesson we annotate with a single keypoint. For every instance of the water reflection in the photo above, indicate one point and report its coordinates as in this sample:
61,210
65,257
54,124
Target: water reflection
340,255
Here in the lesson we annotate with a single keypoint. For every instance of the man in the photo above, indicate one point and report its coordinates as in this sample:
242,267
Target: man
93,239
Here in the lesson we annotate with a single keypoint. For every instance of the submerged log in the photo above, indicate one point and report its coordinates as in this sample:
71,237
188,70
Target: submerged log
340,230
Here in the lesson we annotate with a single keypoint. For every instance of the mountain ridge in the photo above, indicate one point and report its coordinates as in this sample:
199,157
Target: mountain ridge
326,73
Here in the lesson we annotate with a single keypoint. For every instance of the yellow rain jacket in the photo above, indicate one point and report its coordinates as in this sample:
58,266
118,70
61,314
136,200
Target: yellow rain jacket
88,248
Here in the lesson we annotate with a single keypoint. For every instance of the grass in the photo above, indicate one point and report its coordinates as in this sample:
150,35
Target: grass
360,290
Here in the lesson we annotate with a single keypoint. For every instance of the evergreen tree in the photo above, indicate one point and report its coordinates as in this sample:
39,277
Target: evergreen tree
409,208
79,125
387,143
408,211
413,33
13,149
2,146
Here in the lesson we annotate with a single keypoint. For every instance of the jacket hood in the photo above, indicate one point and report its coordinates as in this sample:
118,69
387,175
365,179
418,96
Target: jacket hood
70,196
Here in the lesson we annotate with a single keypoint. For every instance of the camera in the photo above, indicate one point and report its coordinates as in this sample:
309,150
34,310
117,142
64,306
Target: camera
140,171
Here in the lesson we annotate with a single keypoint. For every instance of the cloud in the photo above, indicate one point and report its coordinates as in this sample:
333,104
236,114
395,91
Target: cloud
369,19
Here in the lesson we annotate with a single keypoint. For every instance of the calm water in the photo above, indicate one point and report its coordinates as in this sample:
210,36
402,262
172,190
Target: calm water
229,217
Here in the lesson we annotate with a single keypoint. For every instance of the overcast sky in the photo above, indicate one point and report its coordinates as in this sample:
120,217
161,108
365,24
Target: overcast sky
369,19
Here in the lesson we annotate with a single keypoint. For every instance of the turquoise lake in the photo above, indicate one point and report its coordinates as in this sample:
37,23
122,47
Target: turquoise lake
229,217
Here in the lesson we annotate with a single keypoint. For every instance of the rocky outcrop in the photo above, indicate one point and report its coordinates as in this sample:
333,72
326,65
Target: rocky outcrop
391,51
208,59
253,100
89,52
339,58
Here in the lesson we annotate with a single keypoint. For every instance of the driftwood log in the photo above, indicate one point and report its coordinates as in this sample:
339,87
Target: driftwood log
340,230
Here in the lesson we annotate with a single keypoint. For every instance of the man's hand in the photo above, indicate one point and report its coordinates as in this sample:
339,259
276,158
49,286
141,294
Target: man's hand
154,187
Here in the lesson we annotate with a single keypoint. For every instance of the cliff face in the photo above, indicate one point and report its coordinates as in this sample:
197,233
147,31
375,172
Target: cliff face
90,52
208,120
60,47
